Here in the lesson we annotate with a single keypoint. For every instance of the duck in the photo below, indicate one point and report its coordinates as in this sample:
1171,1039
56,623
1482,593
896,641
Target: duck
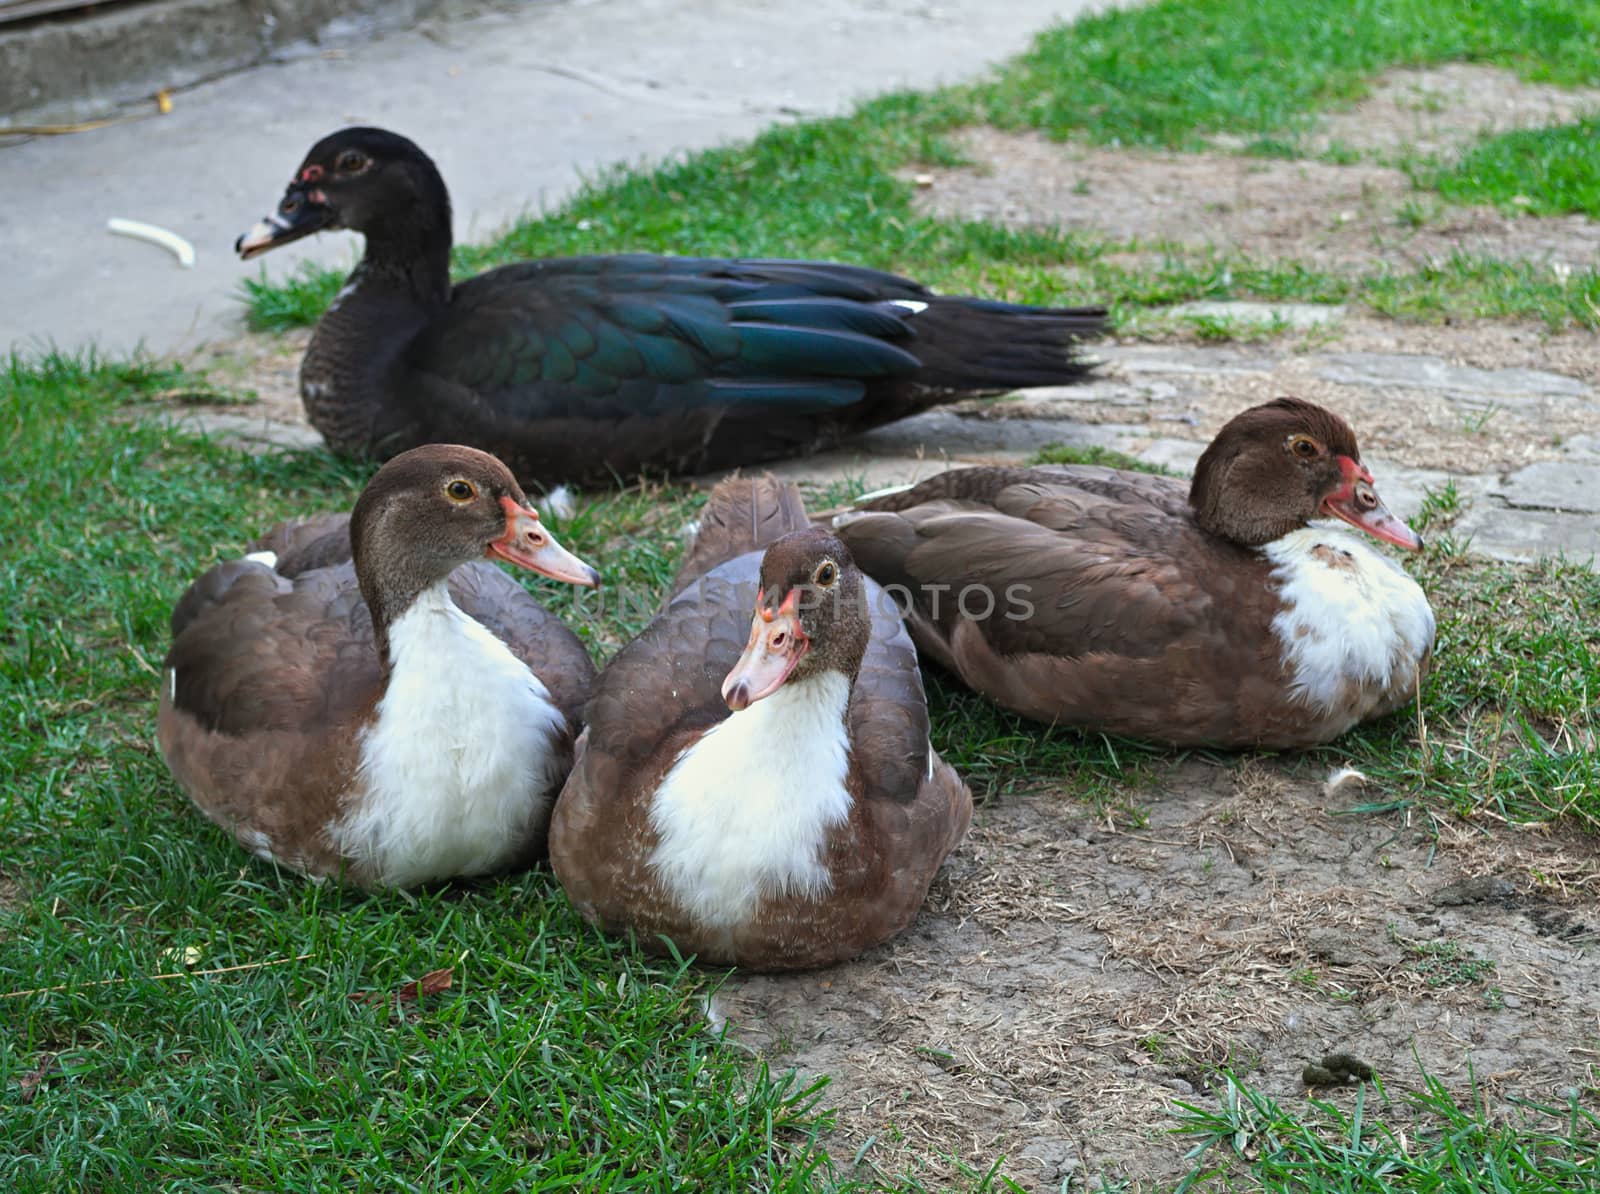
755,785
594,370
366,696
1246,610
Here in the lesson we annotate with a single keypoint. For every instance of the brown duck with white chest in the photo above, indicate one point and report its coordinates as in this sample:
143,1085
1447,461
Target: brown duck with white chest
1223,614
805,825
364,695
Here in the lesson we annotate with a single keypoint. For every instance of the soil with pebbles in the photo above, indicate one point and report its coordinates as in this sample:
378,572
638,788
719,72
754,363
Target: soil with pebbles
1071,977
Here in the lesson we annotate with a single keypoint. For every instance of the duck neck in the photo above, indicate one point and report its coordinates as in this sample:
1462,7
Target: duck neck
430,613
392,591
347,378
410,262
1219,511
809,710
795,744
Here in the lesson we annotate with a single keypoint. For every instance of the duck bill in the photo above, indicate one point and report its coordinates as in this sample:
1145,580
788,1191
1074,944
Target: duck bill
1357,503
528,544
295,218
776,647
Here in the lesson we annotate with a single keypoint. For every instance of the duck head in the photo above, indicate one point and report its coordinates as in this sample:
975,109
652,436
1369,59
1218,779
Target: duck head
434,508
1276,467
811,617
368,180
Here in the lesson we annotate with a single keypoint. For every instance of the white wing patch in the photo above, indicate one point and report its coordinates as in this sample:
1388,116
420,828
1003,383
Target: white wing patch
873,494
258,844
269,558
1354,626
744,812
559,503
911,305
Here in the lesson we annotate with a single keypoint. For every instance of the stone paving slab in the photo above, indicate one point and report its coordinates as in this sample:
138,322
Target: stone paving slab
1545,508
1300,316
1552,485
254,433
1521,536
1487,386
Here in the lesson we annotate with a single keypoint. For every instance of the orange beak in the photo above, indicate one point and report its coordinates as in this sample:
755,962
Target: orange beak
777,644
1357,502
527,544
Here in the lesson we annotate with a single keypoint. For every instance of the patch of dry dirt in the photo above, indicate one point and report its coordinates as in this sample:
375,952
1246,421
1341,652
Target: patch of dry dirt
1332,216
268,366
1481,345
1068,980
1439,110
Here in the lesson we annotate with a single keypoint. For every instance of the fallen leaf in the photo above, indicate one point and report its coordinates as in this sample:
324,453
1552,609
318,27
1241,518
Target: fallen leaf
429,984
31,1081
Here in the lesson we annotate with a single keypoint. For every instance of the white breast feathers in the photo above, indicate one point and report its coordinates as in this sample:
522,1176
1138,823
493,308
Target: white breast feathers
744,812
1354,625
461,759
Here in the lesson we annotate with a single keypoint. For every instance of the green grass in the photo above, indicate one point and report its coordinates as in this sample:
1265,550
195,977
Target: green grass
1320,1147
1167,74
1542,172
1162,74
1510,730
1467,287
1094,454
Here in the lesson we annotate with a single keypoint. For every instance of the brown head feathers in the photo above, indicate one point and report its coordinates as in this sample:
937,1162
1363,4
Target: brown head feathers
1269,469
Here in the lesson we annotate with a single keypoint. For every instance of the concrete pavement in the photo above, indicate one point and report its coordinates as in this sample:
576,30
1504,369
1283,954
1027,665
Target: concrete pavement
516,107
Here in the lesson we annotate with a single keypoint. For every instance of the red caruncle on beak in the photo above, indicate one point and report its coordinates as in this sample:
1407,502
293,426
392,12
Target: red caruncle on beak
1356,501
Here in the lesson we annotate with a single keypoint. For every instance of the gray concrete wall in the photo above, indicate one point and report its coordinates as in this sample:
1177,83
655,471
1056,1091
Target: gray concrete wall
74,66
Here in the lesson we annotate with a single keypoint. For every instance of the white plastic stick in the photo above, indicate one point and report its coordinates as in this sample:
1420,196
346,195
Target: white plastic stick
170,241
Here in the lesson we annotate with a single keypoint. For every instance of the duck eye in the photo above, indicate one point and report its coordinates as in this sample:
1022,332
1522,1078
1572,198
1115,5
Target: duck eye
460,491
1304,446
826,574
351,162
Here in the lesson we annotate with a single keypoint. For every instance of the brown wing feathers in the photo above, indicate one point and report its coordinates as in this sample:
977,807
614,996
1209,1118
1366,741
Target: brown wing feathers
742,514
